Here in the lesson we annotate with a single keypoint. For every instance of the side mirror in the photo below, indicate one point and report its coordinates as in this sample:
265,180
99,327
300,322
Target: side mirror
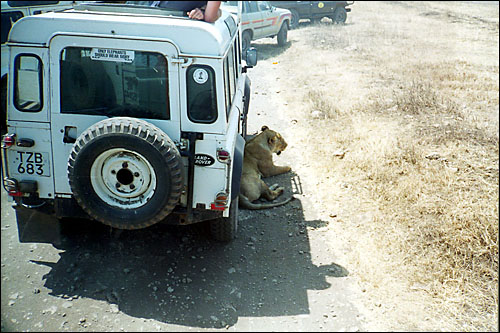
251,57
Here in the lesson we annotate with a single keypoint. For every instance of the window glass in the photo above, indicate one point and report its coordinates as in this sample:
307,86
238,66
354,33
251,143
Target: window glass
263,5
232,73
201,94
227,87
8,20
236,55
31,3
28,83
114,83
251,6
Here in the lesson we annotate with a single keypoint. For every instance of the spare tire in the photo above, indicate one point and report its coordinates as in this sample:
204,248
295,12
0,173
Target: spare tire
125,173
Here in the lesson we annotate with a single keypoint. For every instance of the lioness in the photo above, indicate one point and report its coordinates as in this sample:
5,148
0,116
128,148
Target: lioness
258,163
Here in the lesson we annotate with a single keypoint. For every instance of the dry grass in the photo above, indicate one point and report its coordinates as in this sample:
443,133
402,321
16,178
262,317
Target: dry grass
422,147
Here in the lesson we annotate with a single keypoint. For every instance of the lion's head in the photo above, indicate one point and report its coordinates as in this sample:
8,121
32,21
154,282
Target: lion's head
276,142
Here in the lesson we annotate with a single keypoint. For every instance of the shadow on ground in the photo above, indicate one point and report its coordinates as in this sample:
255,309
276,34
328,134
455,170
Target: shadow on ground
177,275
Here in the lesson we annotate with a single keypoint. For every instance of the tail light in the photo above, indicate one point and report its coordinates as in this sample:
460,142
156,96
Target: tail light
220,202
8,140
223,156
12,187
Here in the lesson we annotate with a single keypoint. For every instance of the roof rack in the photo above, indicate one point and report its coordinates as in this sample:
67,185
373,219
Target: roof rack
119,8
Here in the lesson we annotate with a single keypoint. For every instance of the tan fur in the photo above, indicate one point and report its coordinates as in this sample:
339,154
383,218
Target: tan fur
258,163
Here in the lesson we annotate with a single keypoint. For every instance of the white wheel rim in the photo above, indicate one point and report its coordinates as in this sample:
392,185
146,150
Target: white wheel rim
123,178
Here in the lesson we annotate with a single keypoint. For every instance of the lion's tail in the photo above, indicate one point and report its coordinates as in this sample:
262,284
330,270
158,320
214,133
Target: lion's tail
245,203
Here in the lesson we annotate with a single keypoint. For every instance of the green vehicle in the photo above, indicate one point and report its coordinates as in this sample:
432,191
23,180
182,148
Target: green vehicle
315,10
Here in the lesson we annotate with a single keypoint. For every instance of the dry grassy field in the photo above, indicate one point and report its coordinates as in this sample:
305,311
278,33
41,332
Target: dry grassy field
400,107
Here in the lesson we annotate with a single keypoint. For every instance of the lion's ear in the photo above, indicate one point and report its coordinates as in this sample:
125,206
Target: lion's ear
264,128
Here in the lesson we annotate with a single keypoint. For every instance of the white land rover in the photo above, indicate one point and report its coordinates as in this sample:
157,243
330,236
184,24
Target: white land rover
126,115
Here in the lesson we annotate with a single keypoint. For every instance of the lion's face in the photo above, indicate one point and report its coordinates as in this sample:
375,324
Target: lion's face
276,142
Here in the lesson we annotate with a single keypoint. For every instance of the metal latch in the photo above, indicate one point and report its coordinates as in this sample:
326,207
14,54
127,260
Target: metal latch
184,62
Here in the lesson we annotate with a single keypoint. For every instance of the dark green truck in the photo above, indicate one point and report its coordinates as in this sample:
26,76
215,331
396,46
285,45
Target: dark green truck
315,10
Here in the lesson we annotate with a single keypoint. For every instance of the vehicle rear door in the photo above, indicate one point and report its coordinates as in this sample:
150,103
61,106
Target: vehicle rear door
28,118
98,78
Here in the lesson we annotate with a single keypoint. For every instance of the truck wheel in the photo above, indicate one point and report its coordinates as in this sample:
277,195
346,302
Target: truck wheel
294,23
246,39
224,229
125,173
282,34
339,15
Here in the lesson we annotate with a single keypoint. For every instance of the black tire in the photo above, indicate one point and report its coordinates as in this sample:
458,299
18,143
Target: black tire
283,34
125,173
339,15
224,229
294,22
246,39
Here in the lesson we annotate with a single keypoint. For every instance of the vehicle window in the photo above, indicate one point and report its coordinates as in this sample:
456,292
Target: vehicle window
8,19
263,5
227,87
114,83
229,78
28,83
31,3
201,94
232,72
251,6
236,55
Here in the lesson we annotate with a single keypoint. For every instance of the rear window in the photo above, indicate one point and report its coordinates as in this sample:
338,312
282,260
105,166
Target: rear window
28,83
201,94
114,83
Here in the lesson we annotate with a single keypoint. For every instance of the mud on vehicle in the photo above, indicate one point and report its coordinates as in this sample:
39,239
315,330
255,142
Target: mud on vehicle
127,115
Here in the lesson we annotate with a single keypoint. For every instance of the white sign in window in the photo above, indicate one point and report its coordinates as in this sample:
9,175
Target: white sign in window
112,55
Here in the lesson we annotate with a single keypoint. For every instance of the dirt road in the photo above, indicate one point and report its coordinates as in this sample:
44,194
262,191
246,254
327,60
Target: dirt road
288,270
276,276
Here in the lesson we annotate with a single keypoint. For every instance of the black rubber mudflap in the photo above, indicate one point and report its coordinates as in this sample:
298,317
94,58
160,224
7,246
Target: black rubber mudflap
36,227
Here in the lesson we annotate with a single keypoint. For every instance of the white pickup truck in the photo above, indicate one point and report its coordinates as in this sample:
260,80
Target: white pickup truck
259,19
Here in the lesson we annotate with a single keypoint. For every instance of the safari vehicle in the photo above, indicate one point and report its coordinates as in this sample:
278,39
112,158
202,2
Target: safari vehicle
315,10
11,12
127,115
259,19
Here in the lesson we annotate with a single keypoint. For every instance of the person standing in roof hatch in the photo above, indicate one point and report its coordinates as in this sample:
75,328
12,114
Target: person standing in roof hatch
207,11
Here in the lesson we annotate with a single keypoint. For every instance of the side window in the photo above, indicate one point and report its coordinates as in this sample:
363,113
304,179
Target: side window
8,19
28,76
252,6
232,72
263,5
201,94
227,87
229,78
236,56
114,83
31,3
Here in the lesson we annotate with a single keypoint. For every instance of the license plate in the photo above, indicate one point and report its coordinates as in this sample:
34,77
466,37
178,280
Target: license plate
29,163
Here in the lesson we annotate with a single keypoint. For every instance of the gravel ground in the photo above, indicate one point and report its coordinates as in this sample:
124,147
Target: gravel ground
282,273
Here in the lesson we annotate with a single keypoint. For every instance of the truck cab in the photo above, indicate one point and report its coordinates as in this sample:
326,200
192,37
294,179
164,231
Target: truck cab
127,115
